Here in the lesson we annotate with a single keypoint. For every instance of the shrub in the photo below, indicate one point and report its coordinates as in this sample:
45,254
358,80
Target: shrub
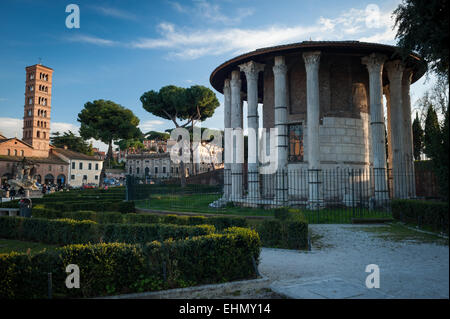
290,232
69,231
433,215
107,269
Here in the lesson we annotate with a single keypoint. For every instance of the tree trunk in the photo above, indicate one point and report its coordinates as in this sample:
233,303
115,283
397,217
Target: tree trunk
107,161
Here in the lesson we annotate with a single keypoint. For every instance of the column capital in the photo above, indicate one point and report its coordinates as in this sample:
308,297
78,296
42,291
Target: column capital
251,69
395,70
374,62
311,58
280,66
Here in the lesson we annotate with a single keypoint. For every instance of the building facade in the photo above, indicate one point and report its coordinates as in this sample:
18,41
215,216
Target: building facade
52,165
324,101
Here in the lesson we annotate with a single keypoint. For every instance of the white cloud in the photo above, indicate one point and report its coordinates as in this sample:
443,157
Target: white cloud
91,40
115,13
150,125
369,24
11,127
212,12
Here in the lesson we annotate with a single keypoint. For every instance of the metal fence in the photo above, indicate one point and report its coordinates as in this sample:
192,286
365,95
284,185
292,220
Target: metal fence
334,195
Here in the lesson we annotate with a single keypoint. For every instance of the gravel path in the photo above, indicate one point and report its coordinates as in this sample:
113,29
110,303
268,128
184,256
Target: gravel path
408,269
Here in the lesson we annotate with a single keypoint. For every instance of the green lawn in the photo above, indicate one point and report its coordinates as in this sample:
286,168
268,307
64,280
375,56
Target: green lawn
9,245
199,203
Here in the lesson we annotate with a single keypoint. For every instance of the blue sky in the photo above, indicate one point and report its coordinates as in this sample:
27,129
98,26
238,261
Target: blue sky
125,48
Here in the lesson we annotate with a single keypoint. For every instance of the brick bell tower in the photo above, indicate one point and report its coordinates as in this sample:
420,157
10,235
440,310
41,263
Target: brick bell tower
38,98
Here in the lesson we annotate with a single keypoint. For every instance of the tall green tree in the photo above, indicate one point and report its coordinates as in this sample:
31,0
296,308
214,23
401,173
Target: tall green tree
72,142
423,27
183,106
417,138
108,122
432,137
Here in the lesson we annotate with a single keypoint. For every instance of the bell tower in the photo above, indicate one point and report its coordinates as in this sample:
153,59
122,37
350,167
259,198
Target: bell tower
38,98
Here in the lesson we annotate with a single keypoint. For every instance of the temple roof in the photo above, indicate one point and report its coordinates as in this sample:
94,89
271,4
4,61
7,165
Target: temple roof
361,49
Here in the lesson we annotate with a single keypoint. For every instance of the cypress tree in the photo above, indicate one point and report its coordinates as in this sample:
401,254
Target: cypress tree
417,137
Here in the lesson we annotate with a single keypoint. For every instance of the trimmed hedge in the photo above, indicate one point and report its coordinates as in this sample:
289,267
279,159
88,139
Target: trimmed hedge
114,217
95,205
110,269
69,231
434,215
288,231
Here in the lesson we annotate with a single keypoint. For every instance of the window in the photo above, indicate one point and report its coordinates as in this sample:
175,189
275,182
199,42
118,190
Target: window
96,167
30,100
89,166
137,170
96,177
9,151
296,143
84,177
80,166
15,152
21,153
72,177
32,76
131,170
73,165
156,170
49,167
164,169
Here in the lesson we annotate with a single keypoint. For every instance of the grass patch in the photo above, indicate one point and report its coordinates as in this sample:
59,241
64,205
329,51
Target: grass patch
399,233
9,245
199,203
196,203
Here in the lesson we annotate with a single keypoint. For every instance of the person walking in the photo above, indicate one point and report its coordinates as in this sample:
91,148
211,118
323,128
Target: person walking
12,193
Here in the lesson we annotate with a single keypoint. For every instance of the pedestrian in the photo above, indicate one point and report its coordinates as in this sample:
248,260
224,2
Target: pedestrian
12,193
44,189
21,191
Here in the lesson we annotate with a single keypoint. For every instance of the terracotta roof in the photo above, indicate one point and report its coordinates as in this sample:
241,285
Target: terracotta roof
52,159
15,138
75,155
342,47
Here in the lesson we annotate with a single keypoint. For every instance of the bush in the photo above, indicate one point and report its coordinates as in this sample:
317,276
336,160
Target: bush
108,269
93,205
433,215
69,231
290,232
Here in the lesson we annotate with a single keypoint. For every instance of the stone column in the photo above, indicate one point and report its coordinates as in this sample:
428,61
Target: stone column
395,74
228,143
387,95
280,107
312,60
236,124
374,63
407,134
251,70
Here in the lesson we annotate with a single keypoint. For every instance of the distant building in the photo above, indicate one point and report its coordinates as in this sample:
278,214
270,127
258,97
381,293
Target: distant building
160,166
53,165
83,169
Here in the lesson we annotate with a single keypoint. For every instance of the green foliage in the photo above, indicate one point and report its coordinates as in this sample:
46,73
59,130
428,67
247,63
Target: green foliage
69,231
432,133
433,215
118,268
423,27
417,138
159,136
288,230
73,142
107,121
